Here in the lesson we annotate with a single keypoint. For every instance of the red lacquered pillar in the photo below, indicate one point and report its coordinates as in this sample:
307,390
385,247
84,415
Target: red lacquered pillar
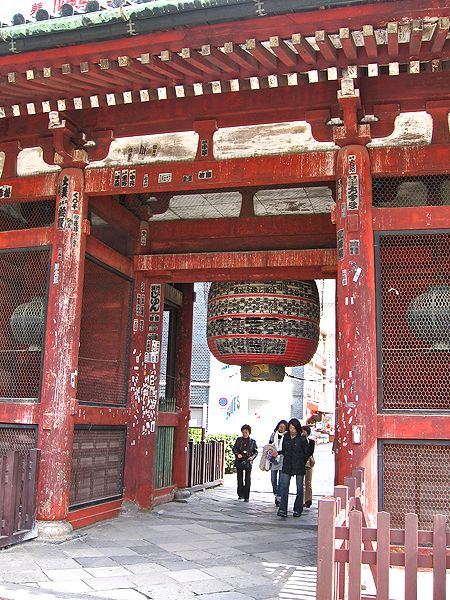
182,390
145,353
356,340
60,368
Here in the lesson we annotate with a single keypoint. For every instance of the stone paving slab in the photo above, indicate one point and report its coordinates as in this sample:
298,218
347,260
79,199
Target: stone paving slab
214,547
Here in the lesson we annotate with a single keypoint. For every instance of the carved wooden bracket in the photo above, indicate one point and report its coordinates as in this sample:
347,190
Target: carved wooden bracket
350,102
205,130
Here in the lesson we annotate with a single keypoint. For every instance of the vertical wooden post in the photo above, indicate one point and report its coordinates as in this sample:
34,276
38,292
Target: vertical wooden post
59,383
145,352
411,549
325,549
354,555
439,557
383,555
183,387
356,339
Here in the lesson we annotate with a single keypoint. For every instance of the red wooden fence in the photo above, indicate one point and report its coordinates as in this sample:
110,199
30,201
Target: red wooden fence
18,481
206,466
346,543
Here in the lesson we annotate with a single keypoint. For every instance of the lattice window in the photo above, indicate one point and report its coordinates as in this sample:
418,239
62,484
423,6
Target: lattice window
15,437
413,290
429,190
26,215
97,465
104,336
415,479
23,308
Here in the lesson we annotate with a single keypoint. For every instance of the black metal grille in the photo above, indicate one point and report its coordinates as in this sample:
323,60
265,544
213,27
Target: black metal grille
416,479
104,336
413,294
23,308
429,190
97,465
26,215
16,438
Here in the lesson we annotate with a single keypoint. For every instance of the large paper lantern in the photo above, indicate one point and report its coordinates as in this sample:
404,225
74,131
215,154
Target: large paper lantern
428,317
263,326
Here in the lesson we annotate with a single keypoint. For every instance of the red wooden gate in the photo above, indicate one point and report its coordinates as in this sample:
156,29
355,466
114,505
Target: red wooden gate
18,486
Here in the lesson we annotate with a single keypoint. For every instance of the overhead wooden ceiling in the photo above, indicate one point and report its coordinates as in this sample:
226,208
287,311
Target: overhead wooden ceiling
410,46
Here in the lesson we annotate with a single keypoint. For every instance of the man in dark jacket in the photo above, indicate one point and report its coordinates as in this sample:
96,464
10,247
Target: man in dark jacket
295,453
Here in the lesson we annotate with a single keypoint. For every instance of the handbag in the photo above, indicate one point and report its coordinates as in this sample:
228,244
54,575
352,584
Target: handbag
242,463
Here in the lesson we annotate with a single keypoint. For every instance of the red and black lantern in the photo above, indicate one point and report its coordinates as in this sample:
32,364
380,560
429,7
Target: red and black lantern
263,326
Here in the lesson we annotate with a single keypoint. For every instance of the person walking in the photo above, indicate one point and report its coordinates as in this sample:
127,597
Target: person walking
245,451
295,453
306,432
276,439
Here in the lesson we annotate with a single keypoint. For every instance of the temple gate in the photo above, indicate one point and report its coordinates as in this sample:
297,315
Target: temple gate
255,147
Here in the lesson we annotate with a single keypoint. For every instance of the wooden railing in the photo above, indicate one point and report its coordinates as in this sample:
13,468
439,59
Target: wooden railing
206,465
18,484
346,543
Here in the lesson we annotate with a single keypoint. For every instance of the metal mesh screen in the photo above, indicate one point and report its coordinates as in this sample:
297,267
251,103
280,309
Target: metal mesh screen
201,356
413,294
16,438
430,190
415,479
97,465
104,336
23,307
26,215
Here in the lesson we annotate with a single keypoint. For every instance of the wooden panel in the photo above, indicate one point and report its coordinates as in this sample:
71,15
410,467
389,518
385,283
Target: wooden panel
97,465
164,457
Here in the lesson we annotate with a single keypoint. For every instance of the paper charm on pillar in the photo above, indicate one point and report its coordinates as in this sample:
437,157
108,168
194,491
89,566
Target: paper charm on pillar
263,326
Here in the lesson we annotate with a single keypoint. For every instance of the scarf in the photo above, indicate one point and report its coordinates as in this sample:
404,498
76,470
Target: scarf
278,440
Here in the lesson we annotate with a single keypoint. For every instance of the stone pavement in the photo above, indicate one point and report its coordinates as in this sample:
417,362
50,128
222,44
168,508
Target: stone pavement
213,547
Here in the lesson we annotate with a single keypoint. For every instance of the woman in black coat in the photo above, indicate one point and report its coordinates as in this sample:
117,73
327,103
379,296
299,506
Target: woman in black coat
245,450
295,452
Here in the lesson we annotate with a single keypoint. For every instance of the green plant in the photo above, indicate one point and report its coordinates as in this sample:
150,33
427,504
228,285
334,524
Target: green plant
195,434
229,440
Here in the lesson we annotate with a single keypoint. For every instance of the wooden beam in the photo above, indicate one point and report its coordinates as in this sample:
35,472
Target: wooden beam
326,46
413,427
263,56
31,188
370,43
26,238
111,211
287,232
348,44
392,42
440,35
395,219
108,256
415,40
216,266
304,49
284,53
307,167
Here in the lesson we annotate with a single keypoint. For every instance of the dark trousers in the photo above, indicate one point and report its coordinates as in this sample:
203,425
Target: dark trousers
283,488
244,482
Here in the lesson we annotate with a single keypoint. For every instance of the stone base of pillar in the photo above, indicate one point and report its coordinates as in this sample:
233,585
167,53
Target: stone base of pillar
54,531
182,495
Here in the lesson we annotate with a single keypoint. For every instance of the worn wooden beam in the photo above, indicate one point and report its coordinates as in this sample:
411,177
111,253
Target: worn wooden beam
112,212
413,427
246,265
31,188
395,219
110,257
285,232
26,238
